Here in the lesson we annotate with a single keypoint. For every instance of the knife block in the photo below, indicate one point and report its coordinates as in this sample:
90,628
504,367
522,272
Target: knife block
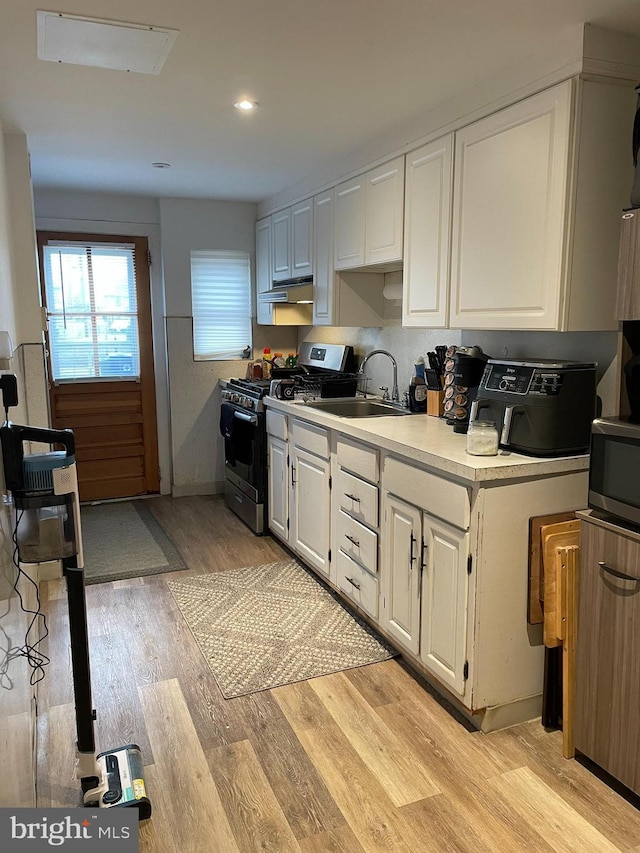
435,403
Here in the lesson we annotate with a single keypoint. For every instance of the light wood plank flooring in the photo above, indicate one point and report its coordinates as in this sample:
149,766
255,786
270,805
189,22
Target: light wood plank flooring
364,760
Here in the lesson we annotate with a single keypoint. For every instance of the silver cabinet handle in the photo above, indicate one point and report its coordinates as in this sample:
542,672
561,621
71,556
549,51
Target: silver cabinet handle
353,583
352,497
352,540
616,573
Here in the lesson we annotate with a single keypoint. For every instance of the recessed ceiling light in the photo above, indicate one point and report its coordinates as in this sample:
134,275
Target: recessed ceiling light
161,165
245,105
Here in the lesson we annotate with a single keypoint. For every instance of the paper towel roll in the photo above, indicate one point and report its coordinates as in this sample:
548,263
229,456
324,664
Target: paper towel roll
392,291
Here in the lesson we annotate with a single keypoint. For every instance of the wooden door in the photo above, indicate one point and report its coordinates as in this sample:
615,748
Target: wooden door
445,584
114,418
309,506
401,572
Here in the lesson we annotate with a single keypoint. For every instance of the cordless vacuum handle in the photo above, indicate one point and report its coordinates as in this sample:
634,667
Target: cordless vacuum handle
46,436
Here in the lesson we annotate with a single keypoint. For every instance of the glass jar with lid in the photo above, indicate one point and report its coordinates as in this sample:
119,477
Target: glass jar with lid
482,438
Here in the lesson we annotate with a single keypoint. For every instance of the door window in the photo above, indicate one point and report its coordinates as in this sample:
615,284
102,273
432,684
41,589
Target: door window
91,310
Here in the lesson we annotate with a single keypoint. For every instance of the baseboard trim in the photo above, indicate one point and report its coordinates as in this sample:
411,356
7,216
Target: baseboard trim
511,714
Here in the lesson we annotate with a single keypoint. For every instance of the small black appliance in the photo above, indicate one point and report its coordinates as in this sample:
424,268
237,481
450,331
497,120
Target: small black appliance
541,407
461,385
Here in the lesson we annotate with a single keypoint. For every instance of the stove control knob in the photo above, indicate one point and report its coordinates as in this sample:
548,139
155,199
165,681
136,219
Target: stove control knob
249,403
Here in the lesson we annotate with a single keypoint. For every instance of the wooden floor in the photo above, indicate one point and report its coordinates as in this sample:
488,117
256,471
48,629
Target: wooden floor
364,760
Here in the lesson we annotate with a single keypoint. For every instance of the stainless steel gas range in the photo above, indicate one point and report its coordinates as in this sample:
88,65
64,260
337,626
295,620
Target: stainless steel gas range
324,370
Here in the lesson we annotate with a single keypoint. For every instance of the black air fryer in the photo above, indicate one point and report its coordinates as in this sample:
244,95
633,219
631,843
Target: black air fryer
541,407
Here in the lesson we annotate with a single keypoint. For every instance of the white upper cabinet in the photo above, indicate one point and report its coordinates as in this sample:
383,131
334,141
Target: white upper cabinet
263,270
323,282
281,245
537,193
369,217
384,213
427,233
349,223
508,221
302,239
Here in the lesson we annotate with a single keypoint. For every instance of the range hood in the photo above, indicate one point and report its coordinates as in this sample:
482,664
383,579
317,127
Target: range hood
293,290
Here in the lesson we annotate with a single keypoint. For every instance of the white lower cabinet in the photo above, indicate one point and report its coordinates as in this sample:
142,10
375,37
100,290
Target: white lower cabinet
355,582
401,528
309,505
278,487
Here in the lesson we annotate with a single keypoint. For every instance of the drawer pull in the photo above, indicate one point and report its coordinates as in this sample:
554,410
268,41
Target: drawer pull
353,583
352,497
353,541
616,573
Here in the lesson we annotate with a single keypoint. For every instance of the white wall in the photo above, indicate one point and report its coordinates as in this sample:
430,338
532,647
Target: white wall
197,449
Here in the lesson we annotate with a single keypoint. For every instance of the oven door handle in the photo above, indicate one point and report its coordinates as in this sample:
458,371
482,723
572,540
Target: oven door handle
242,416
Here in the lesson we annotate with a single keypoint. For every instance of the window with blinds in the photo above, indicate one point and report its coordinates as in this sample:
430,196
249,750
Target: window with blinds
91,310
220,304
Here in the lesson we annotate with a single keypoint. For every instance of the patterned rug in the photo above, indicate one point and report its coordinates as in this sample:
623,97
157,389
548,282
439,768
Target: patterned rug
265,626
124,540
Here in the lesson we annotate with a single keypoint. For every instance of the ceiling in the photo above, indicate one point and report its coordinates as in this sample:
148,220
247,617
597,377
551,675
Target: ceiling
328,76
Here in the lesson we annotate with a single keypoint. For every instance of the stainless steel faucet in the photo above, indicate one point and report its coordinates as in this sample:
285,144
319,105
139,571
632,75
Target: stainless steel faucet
395,396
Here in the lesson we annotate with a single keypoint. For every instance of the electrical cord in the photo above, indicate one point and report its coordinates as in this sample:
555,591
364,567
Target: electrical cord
36,658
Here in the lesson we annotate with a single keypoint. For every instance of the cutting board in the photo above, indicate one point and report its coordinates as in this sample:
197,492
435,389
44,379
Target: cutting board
536,585
554,536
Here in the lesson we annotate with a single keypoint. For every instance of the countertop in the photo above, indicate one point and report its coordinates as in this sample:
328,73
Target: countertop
431,442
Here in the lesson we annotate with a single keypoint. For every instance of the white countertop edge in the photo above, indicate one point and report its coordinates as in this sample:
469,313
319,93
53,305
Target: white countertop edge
402,435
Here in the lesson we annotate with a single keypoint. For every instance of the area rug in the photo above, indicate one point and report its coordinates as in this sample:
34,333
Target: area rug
124,540
264,626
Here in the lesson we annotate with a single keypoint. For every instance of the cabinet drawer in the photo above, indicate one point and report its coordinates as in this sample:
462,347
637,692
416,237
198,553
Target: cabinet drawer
359,458
356,540
437,495
359,585
277,425
357,498
310,437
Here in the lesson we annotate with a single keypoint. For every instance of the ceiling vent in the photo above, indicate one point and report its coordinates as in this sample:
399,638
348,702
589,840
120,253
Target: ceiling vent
103,44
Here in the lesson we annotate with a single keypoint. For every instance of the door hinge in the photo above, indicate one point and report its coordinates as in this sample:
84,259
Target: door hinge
465,670
469,564
288,519
330,483
149,258
329,554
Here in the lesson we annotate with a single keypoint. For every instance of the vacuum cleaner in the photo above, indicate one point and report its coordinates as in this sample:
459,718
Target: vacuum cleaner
44,487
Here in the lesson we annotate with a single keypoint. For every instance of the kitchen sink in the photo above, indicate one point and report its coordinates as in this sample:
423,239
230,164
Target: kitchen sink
357,408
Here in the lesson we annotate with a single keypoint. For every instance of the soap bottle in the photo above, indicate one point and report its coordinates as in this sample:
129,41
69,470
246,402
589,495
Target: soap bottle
418,388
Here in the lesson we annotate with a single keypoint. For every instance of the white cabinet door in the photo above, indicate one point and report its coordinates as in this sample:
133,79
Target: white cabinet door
445,584
278,487
264,310
509,215
427,234
302,239
384,212
400,572
349,224
281,244
309,505
323,282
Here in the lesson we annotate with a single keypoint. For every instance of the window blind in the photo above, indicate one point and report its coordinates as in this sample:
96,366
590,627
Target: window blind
91,310
220,304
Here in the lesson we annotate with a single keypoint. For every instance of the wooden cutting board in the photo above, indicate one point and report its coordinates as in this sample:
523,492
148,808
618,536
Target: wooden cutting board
554,536
536,582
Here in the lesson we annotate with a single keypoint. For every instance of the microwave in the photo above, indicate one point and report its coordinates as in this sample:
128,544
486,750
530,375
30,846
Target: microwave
614,468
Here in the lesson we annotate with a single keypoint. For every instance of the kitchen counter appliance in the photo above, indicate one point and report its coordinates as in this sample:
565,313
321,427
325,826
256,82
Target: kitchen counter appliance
323,370
541,407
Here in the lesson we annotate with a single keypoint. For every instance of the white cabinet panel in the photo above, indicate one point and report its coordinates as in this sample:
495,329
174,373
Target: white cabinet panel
509,215
349,224
357,541
384,213
281,244
358,458
356,497
264,310
323,282
358,584
401,575
427,234
443,629
302,239
309,504
278,487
